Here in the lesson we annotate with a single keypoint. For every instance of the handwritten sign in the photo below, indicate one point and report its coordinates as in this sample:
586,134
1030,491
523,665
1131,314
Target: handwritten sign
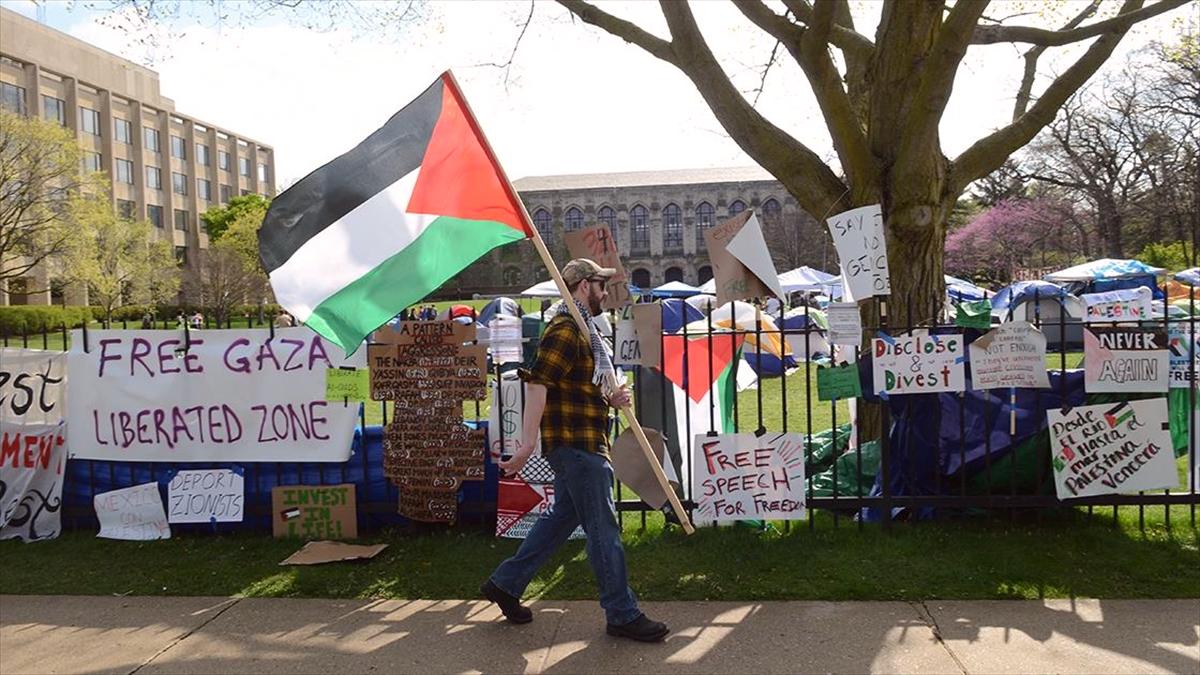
1011,355
1129,304
33,443
627,349
733,280
504,339
505,418
347,384
223,395
314,511
132,513
749,247
838,382
206,496
861,244
1111,448
976,314
749,477
1184,356
845,324
1119,359
647,322
596,242
918,364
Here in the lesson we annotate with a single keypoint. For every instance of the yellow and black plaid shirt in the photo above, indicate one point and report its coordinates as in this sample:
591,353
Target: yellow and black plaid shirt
576,414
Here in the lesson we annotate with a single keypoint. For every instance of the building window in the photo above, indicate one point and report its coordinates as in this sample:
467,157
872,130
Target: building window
705,218
204,189
154,214
672,228
202,154
573,220
222,160
771,210
245,192
179,183
125,171
178,147
639,229
609,217
673,274
541,220
512,276
91,162
89,121
244,166
122,130
641,278
54,109
181,255
226,193
12,98
704,274
262,173
150,138
181,220
737,207
126,208
153,177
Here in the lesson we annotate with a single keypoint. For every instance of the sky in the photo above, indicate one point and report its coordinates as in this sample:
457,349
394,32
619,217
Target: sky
576,100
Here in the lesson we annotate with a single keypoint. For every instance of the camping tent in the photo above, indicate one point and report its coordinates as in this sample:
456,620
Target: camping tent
545,289
498,306
676,313
675,289
961,290
802,278
1108,274
1059,314
804,332
1191,277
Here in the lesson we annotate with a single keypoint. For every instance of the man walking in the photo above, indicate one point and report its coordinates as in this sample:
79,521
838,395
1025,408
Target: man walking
566,403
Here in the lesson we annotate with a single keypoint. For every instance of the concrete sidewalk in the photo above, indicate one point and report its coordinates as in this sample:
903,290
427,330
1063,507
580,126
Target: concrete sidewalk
61,634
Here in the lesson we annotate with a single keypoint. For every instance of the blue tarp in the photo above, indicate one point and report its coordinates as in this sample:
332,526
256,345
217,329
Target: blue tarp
1108,274
1013,295
1191,276
502,306
676,313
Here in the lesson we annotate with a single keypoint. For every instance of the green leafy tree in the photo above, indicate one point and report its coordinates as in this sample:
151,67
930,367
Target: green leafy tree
231,271
1172,256
217,219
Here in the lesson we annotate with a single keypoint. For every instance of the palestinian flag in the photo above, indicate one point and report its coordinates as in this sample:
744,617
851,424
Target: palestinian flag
387,223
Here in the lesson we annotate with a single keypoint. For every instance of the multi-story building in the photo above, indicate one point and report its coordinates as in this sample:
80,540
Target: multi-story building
658,219
163,166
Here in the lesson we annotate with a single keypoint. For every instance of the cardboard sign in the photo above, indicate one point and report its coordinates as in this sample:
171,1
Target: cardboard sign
861,245
321,552
132,513
1184,356
748,477
506,418
596,242
314,511
627,350
749,247
33,442
845,324
838,382
647,322
630,466
976,314
1129,304
1127,360
345,384
1011,355
206,496
734,281
918,364
1111,448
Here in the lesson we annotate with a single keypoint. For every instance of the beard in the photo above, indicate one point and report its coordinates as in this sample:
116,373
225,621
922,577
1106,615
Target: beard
593,303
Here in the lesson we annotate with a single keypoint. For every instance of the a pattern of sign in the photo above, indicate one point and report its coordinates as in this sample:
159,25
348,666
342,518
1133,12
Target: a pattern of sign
845,324
219,395
314,511
1125,360
861,245
33,448
206,496
1184,355
596,242
1129,304
423,367
1111,448
132,513
749,477
918,364
1012,355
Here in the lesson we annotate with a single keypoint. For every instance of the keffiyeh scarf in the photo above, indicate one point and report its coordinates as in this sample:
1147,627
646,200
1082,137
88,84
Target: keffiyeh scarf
603,375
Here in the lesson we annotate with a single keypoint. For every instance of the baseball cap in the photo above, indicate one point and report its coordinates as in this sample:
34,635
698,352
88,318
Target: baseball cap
582,268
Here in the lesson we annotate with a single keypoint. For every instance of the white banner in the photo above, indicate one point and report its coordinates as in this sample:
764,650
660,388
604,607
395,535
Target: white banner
132,513
861,245
918,364
1129,304
749,477
32,443
206,496
845,324
234,395
1111,448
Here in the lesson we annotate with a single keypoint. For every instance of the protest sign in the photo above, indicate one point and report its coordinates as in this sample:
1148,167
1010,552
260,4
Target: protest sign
33,443
132,513
749,477
733,280
314,511
647,322
520,503
596,242
1184,356
504,339
861,245
1111,448
1011,355
918,364
347,384
206,496
1117,359
635,473
749,247
974,314
838,382
845,324
1129,304
219,395
505,418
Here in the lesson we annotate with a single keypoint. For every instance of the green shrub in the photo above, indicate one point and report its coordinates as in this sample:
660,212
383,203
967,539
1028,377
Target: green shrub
31,319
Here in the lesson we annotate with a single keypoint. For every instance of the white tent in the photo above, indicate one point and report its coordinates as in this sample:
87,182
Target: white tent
545,289
1105,268
802,278
676,289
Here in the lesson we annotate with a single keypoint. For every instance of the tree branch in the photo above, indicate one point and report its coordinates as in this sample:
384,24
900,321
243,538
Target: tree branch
987,35
1031,59
626,30
843,36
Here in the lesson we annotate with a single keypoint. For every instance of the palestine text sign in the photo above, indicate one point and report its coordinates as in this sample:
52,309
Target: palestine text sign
232,395
862,250
1129,304
33,449
1012,355
918,364
1111,448
206,496
749,477
1125,360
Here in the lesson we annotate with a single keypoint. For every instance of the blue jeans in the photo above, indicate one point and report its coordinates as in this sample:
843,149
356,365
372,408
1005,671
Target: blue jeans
583,494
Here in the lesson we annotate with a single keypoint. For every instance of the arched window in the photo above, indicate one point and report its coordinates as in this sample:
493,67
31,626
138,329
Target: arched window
705,218
641,278
512,276
639,229
541,220
672,228
573,219
704,274
771,211
737,207
673,274
609,217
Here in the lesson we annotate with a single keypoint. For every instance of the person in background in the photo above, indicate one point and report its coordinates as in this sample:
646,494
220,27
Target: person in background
197,321
284,320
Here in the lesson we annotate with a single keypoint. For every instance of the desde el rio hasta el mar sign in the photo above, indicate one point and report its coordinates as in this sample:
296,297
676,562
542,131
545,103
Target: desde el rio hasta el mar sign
234,395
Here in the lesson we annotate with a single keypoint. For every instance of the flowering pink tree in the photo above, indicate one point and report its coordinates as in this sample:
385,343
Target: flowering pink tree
1013,233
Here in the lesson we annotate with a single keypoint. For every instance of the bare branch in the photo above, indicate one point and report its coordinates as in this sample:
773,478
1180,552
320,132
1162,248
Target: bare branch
987,35
1031,61
621,28
507,65
762,81
843,36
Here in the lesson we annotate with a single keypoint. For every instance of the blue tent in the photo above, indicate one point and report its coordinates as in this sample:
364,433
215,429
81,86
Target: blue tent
1020,292
1191,276
676,313
502,306
961,290
675,289
1108,274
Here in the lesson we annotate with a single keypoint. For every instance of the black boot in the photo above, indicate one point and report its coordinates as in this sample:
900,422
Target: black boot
641,629
513,610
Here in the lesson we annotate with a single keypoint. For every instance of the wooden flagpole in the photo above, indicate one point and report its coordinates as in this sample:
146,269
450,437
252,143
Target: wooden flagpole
630,418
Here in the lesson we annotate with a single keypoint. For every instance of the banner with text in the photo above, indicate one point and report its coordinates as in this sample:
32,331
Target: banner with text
918,364
33,448
1111,448
1184,355
1128,304
220,395
749,477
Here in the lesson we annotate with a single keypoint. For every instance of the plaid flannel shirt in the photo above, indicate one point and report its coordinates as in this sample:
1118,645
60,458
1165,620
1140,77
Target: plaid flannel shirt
576,413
